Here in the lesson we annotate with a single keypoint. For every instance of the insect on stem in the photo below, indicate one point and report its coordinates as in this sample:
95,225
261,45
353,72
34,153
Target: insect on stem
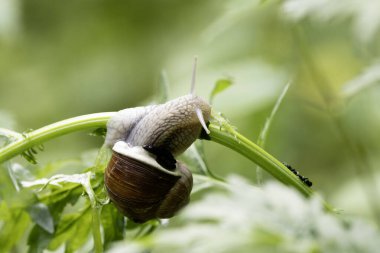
305,180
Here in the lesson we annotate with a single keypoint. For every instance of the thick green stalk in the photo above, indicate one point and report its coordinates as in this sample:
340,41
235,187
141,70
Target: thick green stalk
259,156
253,152
36,137
219,134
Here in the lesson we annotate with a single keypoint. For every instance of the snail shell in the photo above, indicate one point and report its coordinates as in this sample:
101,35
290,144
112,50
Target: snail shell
141,189
143,179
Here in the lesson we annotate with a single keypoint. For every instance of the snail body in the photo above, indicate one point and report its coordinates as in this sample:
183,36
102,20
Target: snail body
173,126
143,178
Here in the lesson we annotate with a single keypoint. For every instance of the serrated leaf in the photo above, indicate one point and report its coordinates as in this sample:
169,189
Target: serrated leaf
56,210
48,189
40,214
80,235
113,224
66,227
68,193
59,180
219,86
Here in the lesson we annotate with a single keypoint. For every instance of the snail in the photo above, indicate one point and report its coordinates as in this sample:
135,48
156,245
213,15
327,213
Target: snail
143,179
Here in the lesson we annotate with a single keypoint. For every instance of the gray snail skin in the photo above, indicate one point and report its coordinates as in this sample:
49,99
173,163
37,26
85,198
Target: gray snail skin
143,178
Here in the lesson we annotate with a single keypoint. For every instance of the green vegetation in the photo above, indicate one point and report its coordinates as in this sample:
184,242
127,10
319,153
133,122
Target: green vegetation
298,76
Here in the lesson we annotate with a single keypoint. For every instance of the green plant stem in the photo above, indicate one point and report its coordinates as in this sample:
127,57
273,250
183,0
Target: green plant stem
259,156
218,134
332,101
52,131
98,245
264,132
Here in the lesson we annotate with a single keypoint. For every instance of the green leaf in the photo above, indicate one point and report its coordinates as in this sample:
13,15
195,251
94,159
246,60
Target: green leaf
58,203
56,209
81,233
113,224
67,226
38,240
40,214
60,180
59,191
53,192
220,86
101,131
29,156
68,195
14,225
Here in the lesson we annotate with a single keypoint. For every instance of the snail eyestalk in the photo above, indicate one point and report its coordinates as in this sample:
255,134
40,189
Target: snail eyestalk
202,120
192,89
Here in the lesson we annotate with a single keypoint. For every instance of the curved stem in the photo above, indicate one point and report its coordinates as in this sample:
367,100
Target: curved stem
220,133
259,156
224,133
54,130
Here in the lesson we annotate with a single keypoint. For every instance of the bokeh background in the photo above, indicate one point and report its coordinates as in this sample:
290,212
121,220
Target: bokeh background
66,58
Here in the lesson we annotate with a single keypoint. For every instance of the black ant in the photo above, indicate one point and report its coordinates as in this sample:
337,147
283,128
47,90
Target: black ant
305,180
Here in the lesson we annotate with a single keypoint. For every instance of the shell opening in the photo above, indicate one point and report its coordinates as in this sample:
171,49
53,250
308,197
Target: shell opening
140,154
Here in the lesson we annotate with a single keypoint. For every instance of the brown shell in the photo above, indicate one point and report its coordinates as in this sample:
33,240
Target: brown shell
142,192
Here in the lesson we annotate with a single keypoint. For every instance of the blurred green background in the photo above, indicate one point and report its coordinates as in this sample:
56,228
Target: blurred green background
68,58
